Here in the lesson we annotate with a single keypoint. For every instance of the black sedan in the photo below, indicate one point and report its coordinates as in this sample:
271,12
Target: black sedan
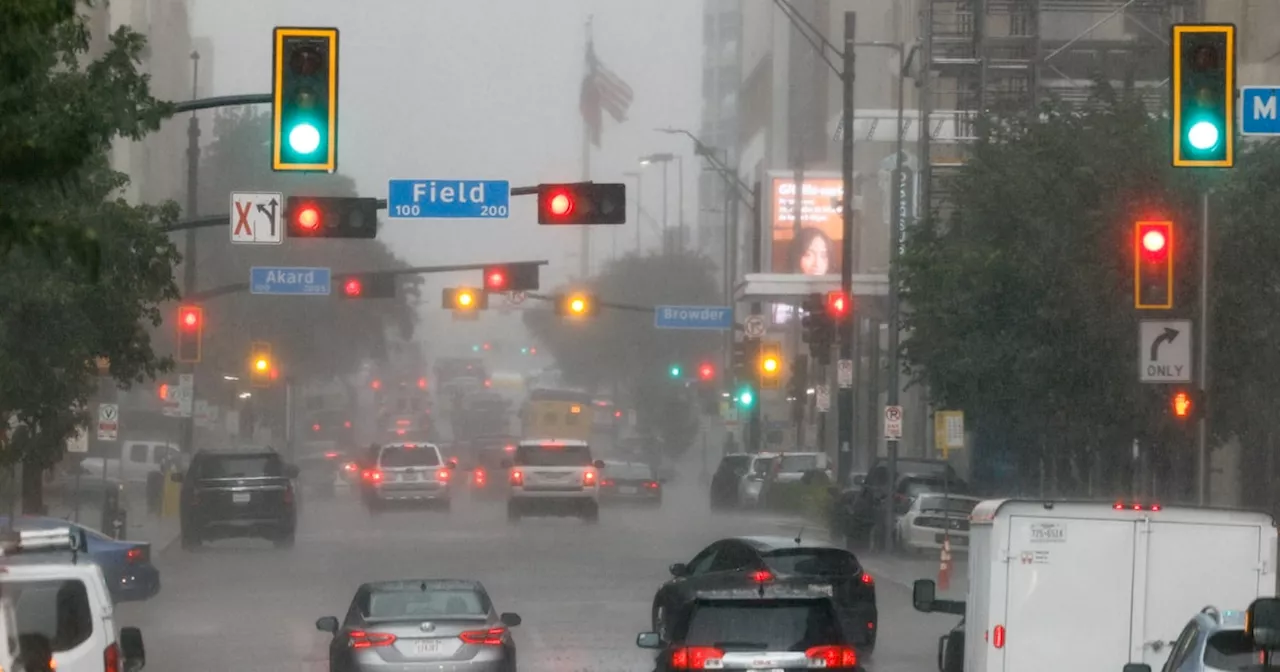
632,482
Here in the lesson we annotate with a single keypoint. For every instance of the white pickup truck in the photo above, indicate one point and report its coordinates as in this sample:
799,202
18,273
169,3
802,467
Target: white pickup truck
136,460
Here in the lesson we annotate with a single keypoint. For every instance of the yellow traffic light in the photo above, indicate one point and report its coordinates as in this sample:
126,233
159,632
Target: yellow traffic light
466,299
576,305
770,365
260,364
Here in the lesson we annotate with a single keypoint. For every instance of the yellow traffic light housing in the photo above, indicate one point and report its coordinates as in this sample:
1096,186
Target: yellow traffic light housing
464,299
260,364
770,365
304,100
1204,95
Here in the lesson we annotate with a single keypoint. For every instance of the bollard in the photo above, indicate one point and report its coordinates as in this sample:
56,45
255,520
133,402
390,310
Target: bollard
155,492
114,516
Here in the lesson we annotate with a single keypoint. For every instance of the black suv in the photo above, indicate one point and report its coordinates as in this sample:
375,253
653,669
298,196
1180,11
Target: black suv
230,494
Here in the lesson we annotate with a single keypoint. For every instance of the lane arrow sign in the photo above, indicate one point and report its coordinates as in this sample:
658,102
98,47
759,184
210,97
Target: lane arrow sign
1167,337
263,209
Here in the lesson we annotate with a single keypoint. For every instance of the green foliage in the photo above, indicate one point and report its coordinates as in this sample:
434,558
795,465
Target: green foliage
311,336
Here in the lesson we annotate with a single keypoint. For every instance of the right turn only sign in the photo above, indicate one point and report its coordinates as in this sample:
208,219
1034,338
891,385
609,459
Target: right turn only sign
893,422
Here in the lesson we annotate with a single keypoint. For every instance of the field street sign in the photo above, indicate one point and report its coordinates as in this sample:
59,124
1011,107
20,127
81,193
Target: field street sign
719,318
448,199
290,281
1164,351
255,218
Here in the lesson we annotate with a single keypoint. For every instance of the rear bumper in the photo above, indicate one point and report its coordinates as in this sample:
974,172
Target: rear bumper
860,621
401,492
520,494
136,584
486,659
931,538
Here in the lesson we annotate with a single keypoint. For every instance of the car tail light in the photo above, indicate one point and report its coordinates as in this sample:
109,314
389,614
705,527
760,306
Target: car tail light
288,494
517,477
350,466
695,657
111,658
372,475
997,637
490,637
588,477
866,579
832,656
479,476
330,455
761,576
442,474
370,640
509,449
315,428
608,482
137,554
652,485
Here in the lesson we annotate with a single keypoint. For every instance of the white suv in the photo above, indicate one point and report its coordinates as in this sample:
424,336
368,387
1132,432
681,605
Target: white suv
61,601
554,477
409,472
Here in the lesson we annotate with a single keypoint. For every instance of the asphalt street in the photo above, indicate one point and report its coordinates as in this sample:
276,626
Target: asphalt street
583,591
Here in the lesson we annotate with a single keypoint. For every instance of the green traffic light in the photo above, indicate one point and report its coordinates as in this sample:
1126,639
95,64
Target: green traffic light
745,397
1203,135
304,138
675,372
475,348
524,351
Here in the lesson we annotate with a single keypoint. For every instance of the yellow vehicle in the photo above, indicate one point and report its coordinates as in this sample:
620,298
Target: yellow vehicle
556,414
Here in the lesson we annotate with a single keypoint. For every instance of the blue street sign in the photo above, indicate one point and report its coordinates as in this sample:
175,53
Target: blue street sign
448,199
1258,110
719,318
290,281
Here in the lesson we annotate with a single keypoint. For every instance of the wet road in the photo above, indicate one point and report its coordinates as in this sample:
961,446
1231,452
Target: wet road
583,591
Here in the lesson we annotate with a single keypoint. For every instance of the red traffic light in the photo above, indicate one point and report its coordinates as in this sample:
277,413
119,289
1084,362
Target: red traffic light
308,218
422,383
1182,404
560,204
706,371
495,280
838,305
189,317
1154,240
353,287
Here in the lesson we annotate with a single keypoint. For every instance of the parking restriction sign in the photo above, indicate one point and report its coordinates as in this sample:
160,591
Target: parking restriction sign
893,422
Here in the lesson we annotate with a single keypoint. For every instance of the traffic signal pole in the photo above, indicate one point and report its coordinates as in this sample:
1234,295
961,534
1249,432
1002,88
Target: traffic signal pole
1202,425
849,253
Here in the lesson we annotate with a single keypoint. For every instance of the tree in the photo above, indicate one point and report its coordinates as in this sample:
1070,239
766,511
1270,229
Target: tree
312,337
58,112
1021,308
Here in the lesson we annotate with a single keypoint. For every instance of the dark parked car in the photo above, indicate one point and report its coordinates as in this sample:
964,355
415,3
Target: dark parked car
724,484
859,511
634,482
754,561
238,494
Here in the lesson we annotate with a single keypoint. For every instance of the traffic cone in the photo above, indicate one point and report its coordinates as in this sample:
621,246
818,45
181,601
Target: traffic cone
944,567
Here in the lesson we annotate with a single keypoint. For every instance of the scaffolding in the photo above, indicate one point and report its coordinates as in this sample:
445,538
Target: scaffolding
1005,55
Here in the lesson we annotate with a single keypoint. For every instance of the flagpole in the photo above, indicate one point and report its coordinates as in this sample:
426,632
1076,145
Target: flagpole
584,257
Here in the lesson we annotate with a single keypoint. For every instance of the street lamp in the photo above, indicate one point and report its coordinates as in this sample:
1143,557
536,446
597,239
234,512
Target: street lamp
666,158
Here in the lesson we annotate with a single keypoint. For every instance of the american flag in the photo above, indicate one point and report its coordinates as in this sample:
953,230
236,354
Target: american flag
602,91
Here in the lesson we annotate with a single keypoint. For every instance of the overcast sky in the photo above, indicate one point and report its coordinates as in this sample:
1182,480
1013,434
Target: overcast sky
482,89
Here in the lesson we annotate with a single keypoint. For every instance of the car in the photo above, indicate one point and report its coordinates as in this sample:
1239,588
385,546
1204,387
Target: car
932,517
126,564
408,473
783,625
421,625
62,605
752,485
724,483
485,455
554,477
633,482
1213,640
753,561
237,494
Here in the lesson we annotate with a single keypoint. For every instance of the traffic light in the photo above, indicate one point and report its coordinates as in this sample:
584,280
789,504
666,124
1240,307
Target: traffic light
331,217
576,305
674,371
770,365
511,278
746,397
582,203
819,327
839,306
366,286
745,355
1185,404
1153,265
464,298
190,334
1204,94
304,100
260,364
706,372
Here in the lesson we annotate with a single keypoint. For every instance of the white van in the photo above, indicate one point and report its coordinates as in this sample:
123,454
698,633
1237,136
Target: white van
1070,586
62,596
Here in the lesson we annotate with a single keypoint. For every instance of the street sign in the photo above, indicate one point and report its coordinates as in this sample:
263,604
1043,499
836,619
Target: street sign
1164,351
186,394
78,443
289,281
893,422
1258,110
844,373
108,421
516,298
448,199
754,326
256,217
948,431
718,318
822,399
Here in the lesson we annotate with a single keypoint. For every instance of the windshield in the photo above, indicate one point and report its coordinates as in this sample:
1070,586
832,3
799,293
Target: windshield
813,562
552,455
394,457
798,463
763,625
241,466
948,504
420,604
632,472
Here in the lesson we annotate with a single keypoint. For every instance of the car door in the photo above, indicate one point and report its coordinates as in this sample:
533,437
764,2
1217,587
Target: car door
339,652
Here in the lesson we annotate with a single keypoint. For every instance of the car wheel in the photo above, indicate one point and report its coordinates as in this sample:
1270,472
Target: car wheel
513,512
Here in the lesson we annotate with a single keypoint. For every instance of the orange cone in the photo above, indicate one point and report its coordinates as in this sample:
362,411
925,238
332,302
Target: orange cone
944,567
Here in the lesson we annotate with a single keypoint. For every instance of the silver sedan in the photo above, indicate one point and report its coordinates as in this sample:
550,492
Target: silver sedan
442,625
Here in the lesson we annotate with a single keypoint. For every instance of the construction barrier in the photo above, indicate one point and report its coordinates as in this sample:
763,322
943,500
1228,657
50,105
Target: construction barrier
944,567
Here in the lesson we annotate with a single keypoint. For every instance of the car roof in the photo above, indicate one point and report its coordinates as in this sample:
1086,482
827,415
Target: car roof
543,442
769,543
409,444
410,585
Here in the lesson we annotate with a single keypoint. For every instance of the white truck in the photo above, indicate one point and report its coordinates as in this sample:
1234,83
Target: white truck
1071,586
135,460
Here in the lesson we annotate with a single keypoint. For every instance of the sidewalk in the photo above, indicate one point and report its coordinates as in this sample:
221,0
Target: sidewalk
143,526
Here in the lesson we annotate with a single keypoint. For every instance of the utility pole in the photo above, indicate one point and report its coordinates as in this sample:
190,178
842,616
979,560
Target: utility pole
1202,425
757,262
189,250
850,252
895,251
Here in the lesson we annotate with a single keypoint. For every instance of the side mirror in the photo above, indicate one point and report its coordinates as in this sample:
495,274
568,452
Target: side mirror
598,464
510,620
176,476
327,624
506,464
678,569
131,649
1262,623
1137,667
291,471
923,594
649,640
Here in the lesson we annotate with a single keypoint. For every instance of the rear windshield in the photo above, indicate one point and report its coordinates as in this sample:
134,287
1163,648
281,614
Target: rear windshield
936,503
918,486
762,465
813,561
633,472
58,610
1230,651
798,463
763,625
551,455
424,604
241,466
409,456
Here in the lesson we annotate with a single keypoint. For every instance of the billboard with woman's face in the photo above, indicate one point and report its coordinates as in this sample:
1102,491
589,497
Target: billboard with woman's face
815,248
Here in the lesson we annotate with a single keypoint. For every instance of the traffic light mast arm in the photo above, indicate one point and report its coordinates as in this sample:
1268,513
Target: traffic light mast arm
415,270
222,101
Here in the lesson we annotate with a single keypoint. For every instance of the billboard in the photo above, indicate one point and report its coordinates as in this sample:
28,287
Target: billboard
814,249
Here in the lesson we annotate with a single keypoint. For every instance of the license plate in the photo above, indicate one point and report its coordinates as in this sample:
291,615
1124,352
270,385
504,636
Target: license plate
627,490
240,497
409,477
427,647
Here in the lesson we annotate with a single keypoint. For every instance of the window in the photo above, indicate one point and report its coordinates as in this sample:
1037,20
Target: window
1230,650
552,455
701,563
763,625
138,452
408,456
629,472
428,603
733,557
57,609
813,561
241,466
1181,648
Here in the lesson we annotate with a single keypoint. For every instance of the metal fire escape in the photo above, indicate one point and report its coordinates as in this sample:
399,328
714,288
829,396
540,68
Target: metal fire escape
1003,55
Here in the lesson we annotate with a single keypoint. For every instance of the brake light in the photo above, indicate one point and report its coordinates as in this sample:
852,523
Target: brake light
1121,506
509,449
490,637
695,657
136,554
369,640
350,466
330,455
866,579
761,576
315,428
588,477
652,485
997,637
111,658
608,482
517,477
832,656
442,474
372,475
